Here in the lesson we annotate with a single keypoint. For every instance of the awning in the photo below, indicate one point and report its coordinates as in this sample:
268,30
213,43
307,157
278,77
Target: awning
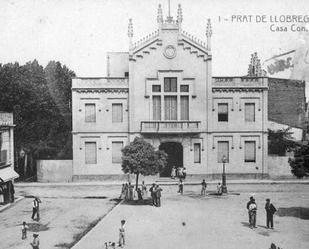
7,174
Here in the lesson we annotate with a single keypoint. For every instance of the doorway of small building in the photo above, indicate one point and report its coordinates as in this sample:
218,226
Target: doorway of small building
174,152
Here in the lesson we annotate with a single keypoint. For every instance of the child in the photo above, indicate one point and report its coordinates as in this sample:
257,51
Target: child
204,185
36,242
219,189
122,234
24,229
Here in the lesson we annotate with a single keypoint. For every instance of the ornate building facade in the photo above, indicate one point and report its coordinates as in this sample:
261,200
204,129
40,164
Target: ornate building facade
162,89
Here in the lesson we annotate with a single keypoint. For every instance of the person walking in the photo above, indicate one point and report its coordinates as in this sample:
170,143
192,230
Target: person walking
270,210
173,172
24,229
36,242
252,214
204,186
180,186
158,191
122,234
36,208
153,194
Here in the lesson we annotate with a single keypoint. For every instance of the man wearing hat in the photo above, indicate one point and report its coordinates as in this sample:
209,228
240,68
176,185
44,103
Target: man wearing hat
270,210
153,194
36,242
248,204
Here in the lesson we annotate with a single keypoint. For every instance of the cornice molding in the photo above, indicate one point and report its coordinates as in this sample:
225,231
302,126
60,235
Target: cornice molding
238,89
101,90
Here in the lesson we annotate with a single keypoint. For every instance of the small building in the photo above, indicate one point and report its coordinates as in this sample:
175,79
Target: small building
7,173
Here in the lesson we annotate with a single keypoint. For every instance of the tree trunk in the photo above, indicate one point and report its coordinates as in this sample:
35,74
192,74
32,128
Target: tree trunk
137,174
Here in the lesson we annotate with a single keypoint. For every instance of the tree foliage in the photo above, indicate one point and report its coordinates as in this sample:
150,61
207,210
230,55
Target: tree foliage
300,162
279,142
140,157
40,100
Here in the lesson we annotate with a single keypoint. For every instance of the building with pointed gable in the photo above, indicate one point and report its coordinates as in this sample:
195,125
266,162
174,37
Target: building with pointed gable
162,89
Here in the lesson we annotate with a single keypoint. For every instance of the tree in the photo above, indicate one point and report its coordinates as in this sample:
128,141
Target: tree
140,157
279,142
300,162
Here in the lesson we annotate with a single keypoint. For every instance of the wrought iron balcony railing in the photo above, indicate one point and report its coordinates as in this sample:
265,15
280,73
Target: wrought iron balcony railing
170,126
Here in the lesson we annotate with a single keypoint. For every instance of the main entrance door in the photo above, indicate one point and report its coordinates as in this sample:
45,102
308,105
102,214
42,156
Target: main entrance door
174,152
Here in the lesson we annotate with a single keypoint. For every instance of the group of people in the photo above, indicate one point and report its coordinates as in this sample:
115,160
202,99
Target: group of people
35,216
179,172
155,192
252,210
128,192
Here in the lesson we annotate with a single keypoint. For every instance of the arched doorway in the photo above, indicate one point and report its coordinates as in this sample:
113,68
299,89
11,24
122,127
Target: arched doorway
175,157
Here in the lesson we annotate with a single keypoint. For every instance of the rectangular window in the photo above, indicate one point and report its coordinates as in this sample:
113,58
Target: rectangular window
250,153
184,107
170,84
197,153
90,112
170,105
156,107
223,115
90,152
223,150
249,112
184,88
156,88
117,113
116,152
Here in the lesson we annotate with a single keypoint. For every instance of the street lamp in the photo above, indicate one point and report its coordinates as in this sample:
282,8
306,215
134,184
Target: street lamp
224,188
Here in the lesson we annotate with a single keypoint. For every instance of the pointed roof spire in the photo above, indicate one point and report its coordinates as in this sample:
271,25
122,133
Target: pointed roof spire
179,14
160,14
208,29
130,28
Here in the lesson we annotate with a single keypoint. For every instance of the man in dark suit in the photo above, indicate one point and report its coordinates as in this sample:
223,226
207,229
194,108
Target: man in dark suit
270,210
158,191
153,194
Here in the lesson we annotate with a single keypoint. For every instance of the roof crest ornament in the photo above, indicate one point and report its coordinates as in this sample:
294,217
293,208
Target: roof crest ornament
160,14
179,14
208,34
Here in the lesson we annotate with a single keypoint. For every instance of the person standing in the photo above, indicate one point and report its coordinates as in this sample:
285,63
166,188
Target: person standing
36,242
158,191
204,186
153,194
24,229
122,234
144,190
270,210
219,189
248,204
130,187
173,172
36,208
184,173
180,186
179,172
252,214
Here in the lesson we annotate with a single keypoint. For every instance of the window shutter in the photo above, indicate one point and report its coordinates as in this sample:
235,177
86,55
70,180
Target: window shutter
156,107
90,152
249,112
223,150
116,152
90,113
250,153
197,153
117,113
184,103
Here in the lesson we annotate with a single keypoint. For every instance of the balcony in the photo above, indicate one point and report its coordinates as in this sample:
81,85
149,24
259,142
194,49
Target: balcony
170,127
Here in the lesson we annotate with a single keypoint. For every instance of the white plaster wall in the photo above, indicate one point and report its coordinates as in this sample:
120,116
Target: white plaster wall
54,170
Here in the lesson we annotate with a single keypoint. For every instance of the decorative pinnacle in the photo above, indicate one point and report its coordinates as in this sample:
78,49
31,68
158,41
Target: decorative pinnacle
130,28
179,14
255,69
160,14
208,28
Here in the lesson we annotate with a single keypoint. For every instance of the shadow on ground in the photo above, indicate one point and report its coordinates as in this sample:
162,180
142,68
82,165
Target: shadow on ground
37,227
146,202
298,212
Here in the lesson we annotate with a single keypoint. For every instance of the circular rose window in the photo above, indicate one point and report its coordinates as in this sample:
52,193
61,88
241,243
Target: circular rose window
170,52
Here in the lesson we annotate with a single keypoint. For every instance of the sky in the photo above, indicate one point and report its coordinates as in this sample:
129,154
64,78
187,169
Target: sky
78,33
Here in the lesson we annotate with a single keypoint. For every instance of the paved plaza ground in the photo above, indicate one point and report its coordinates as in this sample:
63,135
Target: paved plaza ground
188,221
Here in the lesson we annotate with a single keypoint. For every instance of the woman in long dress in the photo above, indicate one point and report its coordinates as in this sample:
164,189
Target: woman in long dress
173,173
144,190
